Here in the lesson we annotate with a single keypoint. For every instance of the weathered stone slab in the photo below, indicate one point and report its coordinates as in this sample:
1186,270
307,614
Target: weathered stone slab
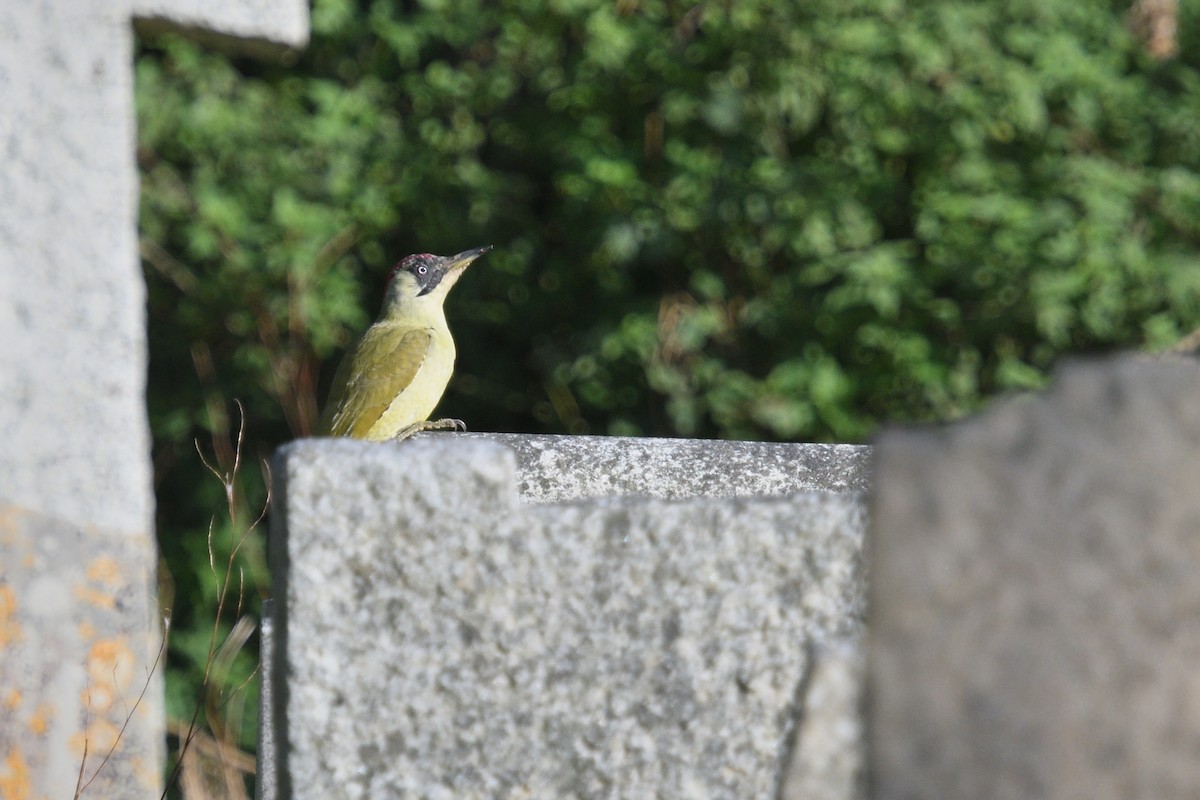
1035,595
439,637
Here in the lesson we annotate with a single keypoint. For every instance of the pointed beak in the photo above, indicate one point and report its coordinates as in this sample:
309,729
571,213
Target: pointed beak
464,259
450,269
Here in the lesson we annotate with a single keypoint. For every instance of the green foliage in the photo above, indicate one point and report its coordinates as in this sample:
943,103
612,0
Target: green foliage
752,219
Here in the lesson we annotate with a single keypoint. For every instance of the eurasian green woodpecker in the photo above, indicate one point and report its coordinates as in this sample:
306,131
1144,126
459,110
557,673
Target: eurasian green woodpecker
392,378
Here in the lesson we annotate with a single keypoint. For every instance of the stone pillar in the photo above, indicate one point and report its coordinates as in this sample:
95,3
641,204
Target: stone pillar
79,677
479,616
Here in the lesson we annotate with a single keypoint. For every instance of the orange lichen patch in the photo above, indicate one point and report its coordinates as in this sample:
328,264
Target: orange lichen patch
104,578
98,698
10,628
105,569
39,722
147,774
12,699
101,736
111,668
14,777
8,520
111,661
97,598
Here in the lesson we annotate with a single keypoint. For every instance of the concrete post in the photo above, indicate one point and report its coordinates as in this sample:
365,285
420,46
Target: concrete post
79,680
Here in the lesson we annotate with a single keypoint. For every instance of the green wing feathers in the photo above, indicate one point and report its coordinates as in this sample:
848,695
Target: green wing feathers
377,368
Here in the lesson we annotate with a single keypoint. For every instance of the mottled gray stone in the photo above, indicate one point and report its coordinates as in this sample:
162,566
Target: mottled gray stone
77,589
440,638
1034,596
556,468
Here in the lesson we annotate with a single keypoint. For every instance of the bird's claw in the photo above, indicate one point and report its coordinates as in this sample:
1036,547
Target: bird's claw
431,425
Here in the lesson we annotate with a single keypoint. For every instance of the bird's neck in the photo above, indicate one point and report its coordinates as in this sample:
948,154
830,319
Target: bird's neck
419,312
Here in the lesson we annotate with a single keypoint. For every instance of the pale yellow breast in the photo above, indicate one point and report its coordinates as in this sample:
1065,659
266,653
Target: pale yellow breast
421,396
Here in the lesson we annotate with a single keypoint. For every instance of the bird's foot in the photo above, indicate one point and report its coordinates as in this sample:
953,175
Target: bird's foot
430,425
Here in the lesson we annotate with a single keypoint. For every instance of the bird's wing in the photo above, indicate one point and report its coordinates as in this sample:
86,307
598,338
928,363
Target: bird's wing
372,374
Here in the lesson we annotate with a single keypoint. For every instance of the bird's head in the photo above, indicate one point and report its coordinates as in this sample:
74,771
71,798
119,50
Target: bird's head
425,278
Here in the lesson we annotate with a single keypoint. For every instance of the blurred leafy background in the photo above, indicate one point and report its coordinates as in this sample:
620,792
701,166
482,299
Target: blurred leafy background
755,219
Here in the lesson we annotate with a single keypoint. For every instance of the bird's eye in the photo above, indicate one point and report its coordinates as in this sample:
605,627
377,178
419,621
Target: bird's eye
422,270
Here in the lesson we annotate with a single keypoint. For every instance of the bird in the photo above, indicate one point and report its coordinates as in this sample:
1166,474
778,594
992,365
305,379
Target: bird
392,378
